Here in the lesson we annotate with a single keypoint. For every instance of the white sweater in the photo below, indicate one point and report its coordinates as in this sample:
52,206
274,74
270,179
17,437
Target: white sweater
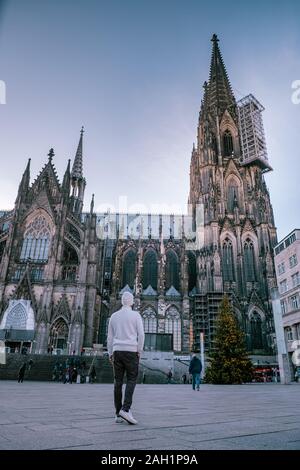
125,331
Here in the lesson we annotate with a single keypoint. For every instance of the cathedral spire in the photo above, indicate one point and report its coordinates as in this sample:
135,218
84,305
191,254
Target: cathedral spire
92,204
77,180
218,95
67,178
24,184
77,165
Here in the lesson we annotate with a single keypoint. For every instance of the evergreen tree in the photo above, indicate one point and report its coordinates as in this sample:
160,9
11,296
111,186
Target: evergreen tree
229,363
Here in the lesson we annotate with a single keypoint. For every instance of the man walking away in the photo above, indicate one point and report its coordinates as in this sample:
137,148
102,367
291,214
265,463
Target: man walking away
22,372
195,369
125,342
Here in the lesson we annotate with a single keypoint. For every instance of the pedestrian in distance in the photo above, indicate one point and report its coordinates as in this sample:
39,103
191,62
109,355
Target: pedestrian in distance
125,342
169,376
195,369
93,375
22,372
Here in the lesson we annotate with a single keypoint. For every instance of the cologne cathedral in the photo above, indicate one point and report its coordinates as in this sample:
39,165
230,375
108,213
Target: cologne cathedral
62,270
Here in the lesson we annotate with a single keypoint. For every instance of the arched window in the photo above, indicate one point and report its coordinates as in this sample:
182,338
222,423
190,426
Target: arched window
150,270
256,331
232,197
172,270
192,270
59,334
227,143
69,264
288,333
249,261
129,268
17,318
227,260
173,326
36,240
149,320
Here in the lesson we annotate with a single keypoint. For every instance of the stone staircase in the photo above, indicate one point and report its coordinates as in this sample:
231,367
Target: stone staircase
43,366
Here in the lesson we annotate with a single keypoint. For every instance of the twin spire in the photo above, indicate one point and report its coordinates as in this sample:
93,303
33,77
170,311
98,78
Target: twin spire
218,94
77,165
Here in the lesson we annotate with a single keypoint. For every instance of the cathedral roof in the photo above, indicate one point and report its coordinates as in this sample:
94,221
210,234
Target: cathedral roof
172,292
149,291
48,175
126,289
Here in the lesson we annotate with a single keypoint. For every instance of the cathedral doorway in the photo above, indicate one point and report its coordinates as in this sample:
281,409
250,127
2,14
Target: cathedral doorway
59,335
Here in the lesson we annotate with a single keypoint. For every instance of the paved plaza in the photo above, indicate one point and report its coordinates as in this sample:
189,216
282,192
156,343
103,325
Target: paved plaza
40,415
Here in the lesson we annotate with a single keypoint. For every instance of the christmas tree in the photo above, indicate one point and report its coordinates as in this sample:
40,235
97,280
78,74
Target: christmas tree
229,362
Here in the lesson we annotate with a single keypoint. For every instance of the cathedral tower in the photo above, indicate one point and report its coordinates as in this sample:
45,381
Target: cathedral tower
227,180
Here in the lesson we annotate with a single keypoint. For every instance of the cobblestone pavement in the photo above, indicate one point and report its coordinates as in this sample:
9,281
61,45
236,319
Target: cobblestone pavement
40,415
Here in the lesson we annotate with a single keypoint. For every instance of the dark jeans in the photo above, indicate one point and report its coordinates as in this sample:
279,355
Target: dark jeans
196,381
125,361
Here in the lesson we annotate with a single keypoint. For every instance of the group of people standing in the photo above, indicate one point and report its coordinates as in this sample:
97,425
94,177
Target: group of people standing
69,372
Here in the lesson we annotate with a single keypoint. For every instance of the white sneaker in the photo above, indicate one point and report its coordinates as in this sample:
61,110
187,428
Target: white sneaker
127,415
118,419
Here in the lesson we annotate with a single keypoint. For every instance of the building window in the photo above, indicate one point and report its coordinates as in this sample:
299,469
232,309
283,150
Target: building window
296,279
283,287
192,270
291,239
293,261
283,306
17,318
294,302
149,320
173,326
281,268
232,201
227,143
70,264
256,331
59,334
249,260
172,270
289,333
36,240
298,330
279,248
150,270
129,269
227,260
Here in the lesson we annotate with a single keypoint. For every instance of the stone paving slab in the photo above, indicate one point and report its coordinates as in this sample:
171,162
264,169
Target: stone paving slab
41,415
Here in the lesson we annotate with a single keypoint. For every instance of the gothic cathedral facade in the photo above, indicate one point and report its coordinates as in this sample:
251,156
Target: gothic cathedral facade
62,271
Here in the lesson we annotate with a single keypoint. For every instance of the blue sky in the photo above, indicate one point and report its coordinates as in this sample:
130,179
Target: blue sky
132,72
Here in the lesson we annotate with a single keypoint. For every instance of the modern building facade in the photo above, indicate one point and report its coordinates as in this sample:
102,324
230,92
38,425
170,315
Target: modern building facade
62,271
287,263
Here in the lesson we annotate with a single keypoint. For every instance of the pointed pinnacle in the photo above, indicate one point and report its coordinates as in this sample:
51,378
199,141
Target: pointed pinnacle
51,154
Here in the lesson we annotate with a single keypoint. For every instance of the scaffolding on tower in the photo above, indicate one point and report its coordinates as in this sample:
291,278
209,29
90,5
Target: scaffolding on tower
253,143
